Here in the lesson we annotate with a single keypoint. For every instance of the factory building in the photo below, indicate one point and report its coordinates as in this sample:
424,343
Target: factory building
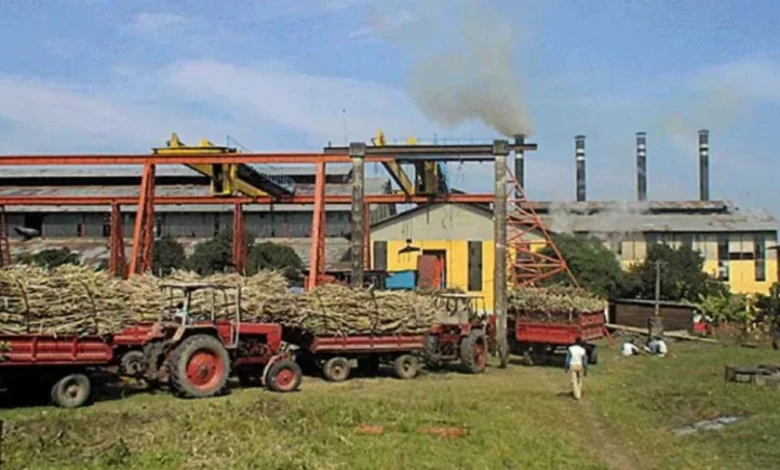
86,228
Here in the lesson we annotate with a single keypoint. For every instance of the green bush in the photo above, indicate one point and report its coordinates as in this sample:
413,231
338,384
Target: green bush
167,255
268,255
51,258
216,255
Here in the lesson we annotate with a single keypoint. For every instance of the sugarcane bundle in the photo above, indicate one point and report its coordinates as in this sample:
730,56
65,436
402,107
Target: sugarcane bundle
66,299
335,309
552,304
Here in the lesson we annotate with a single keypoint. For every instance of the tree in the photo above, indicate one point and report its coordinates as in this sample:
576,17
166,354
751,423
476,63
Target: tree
682,275
216,255
51,258
274,256
168,254
595,267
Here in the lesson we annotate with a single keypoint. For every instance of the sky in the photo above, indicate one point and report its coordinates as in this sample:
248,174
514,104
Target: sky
108,76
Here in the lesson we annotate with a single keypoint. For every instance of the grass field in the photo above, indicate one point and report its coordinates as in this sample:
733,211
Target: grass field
517,418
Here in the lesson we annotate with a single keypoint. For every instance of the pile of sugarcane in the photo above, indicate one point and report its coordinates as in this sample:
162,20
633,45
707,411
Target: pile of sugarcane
335,309
78,300
552,304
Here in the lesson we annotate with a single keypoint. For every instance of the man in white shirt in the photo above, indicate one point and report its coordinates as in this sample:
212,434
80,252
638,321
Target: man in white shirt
629,348
577,366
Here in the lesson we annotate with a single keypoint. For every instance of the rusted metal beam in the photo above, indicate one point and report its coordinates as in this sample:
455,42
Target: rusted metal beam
500,152
116,261
478,152
217,200
317,249
143,229
239,242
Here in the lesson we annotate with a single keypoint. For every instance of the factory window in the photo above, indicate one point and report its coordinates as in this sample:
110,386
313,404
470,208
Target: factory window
686,240
34,221
723,258
80,230
651,238
216,224
380,255
475,265
759,257
106,229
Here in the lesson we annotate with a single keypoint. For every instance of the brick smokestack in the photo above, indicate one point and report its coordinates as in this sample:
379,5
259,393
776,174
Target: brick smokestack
704,165
520,162
579,148
641,166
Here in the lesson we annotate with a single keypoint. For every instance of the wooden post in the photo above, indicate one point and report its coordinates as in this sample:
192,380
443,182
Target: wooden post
500,151
655,325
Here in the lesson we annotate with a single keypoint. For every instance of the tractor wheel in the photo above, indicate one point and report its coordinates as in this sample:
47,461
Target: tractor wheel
432,358
154,358
284,376
200,367
132,364
71,391
473,352
336,369
593,356
406,366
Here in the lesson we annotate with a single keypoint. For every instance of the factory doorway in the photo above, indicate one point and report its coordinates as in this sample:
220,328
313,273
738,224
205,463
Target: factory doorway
432,269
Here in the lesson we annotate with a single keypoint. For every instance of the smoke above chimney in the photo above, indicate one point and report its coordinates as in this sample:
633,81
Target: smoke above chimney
641,166
704,165
579,149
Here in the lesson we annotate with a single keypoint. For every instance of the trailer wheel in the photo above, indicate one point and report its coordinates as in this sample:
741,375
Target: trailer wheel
406,366
284,376
132,364
473,352
71,391
336,369
200,366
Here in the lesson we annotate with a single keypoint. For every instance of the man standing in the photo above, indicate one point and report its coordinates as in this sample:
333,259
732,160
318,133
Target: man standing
577,366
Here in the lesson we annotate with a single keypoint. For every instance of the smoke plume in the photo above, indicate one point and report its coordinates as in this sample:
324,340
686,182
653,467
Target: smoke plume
465,69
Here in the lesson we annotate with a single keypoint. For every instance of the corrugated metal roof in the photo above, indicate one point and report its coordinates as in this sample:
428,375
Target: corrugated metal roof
372,185
591,207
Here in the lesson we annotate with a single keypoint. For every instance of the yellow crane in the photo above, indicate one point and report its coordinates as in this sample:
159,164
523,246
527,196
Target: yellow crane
429,178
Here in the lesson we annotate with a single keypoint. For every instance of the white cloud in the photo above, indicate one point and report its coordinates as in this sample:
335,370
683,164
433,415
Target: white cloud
154,22
751,77
308,103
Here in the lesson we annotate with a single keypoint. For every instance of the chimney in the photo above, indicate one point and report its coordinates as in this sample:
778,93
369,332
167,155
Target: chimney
641,166
579,146
520,162
704,165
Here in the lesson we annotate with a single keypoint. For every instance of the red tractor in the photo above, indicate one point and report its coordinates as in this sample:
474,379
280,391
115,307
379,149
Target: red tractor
195,352
462,333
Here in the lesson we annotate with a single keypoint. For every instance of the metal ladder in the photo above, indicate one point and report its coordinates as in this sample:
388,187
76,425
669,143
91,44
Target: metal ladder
5,246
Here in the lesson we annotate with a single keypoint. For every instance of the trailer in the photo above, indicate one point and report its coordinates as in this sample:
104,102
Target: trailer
66,365
538,340
195,353
459,335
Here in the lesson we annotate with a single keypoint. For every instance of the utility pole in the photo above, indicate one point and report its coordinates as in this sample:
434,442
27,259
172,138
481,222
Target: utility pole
655,326
500,152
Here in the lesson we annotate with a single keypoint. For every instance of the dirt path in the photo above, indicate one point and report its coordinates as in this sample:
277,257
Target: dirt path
594,432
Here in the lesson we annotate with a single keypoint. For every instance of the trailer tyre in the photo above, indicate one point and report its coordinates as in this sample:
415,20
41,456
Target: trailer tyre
71,391
132,364
336,369
473,352
284,376
406,366
200,367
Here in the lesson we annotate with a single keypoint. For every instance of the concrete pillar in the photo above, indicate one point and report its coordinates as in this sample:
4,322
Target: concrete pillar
500,152
357,153
641,166
579,146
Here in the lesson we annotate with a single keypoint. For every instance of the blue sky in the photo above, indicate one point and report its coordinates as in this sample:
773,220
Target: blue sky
101,75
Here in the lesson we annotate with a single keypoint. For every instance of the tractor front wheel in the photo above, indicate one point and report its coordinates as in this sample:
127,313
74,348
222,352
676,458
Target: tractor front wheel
200,367
473,352
284,376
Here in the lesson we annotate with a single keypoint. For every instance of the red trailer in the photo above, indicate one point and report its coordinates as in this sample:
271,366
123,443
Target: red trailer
537,340
65,363
460,335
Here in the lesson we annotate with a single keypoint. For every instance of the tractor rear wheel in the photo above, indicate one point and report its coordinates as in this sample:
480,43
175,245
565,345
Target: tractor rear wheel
284,376
473,352
132,364
200,367
336,369
71,391
406,366
154,358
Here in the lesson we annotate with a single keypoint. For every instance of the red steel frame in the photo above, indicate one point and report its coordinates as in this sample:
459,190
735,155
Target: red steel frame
116,261
5,246
528,265
317,250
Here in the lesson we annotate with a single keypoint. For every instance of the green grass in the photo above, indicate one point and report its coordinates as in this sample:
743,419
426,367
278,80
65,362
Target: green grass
517,418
